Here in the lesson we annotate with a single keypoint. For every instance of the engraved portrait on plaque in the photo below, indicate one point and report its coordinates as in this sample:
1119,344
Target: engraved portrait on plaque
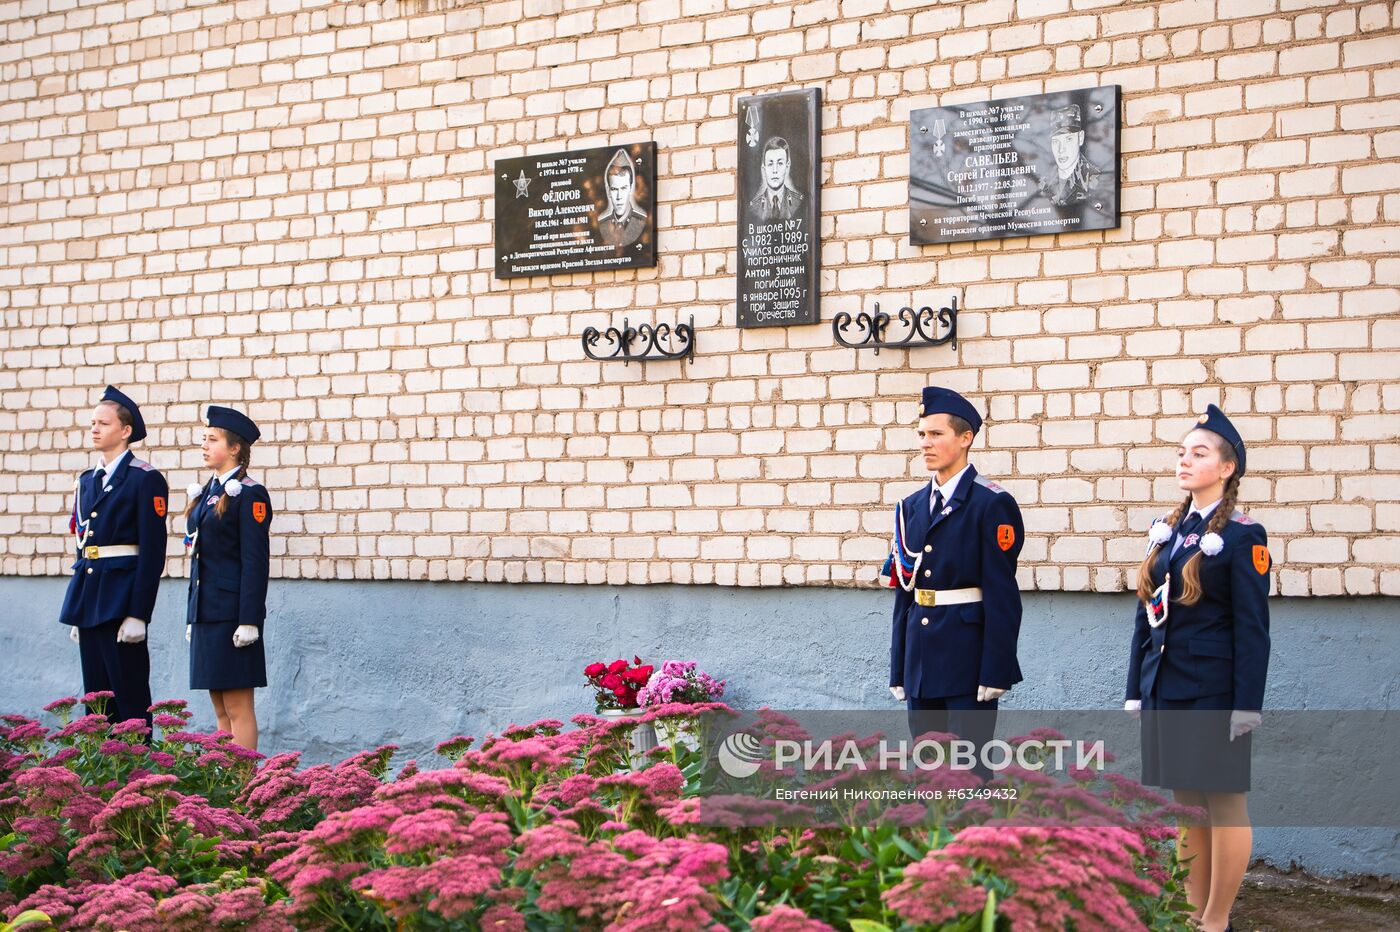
779,209
580,211
1021,166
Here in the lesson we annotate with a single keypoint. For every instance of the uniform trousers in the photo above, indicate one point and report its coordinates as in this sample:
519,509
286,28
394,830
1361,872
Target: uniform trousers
962,715
124,669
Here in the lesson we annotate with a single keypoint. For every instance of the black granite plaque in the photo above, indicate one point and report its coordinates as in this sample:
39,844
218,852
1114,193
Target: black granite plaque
1022,166
779,209
584,211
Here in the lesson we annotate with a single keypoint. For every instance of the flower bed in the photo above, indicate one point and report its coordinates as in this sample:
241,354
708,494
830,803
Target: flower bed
539,827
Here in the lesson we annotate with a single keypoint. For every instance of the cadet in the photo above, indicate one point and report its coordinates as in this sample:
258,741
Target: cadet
118,526
957,608
1200,652
227,536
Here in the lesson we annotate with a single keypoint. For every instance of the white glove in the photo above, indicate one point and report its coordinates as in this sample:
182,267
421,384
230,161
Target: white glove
1242,723
73,633
245,636
132,631
188,629
988,693
897,692
1133,707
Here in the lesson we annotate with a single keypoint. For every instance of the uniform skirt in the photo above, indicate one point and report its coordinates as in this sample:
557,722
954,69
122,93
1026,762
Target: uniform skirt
216,664
1186,746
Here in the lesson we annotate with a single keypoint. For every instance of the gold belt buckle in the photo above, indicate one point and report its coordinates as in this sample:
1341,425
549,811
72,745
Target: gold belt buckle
926,597
91,552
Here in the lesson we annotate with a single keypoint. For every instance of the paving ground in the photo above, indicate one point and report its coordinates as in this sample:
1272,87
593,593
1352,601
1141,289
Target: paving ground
1274,901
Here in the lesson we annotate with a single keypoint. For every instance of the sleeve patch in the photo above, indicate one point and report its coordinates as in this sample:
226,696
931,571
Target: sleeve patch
1006,536
260,512
1261,559
159,503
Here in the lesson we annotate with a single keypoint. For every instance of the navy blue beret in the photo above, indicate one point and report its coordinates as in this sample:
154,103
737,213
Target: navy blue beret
138,426
946,401
1215,421
236,421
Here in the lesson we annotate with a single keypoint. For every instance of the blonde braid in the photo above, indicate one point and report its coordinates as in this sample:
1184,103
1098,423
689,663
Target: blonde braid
1145,582
245,456
1226,511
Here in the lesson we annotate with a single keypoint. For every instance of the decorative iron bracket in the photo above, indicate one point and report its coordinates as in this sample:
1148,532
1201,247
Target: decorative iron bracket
653,341
920,327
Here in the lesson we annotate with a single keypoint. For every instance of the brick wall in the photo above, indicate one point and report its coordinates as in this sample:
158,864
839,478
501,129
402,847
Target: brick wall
286,205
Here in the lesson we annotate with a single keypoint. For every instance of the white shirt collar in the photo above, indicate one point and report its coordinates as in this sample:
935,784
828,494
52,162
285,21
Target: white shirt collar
111,468
227,476
948,488
1206,511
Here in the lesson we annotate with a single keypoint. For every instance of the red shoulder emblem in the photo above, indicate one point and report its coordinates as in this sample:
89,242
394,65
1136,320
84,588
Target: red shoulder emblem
1261,559
159,503
1006,536
259,512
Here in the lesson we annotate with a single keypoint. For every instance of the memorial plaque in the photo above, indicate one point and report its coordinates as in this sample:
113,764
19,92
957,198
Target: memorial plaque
1023,166
779,209
584,211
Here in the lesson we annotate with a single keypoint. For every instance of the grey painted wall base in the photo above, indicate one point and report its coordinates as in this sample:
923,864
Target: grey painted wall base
356,664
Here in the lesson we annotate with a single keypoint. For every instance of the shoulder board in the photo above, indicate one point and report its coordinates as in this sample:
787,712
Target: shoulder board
249,483
141,464
1241,518
989,485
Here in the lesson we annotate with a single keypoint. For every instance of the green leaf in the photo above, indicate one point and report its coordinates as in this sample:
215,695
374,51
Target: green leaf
868,925
904,845
26,917
989,912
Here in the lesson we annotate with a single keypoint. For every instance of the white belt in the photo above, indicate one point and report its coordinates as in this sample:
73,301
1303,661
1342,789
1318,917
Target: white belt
930,597
115,550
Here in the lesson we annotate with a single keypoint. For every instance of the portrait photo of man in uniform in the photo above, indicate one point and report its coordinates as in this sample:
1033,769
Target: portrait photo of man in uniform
623,221
777,199
1074,177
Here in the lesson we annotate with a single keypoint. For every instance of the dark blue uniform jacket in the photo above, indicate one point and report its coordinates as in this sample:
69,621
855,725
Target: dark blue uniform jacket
229,565
1220,645
128,508
950,650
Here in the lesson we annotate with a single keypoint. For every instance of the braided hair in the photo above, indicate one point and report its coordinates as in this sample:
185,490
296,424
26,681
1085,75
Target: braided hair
1191,591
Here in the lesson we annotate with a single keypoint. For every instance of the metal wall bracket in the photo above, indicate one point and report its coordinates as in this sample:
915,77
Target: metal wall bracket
652,340
920,328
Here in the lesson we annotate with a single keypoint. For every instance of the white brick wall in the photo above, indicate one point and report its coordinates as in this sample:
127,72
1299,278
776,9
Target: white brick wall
287,207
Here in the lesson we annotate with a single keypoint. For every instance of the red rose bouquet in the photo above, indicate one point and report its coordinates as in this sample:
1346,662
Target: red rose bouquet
615,685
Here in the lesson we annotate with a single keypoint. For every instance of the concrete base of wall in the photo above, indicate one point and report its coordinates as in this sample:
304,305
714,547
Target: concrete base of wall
356,664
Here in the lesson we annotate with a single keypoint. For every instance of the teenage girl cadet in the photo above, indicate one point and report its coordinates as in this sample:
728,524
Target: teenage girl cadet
1201,646
227,536
118,528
